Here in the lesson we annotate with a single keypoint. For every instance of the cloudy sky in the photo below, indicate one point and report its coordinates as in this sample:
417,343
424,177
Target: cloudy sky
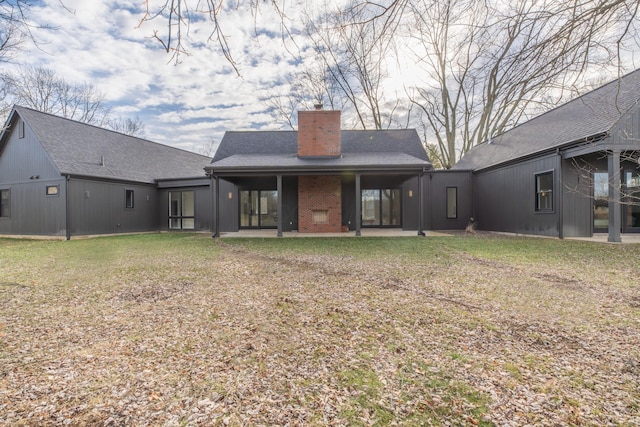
184,105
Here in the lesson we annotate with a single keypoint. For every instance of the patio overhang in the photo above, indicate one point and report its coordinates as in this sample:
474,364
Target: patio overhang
260,165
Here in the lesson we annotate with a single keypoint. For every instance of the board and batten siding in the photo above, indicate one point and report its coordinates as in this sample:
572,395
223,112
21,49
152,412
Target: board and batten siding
26,170
411,204
33,213
505,198
435,187
22,158
577,196
98,207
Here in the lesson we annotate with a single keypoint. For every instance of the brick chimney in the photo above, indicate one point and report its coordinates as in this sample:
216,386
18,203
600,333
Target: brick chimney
319,133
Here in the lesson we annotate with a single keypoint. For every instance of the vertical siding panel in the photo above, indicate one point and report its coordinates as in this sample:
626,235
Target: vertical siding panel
438,183
32,212
98,207
505,199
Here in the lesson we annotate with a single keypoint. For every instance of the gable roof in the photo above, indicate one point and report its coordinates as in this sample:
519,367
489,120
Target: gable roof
585,118
271,150
77,149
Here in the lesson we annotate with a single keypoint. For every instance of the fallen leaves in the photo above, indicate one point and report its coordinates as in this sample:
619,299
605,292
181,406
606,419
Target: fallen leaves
228,335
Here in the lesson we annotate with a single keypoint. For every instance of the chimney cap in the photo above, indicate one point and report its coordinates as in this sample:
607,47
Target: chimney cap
318,106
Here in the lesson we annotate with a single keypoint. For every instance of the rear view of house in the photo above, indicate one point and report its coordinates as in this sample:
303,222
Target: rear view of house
571,172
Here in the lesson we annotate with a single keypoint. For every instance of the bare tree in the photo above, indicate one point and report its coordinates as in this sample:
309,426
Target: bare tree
39,88
176,17
348,71
15,27
312,85
486,66
209,148
354,59
128,126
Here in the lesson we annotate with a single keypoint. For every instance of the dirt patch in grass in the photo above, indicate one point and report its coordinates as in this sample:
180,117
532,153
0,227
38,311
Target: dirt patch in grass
179,330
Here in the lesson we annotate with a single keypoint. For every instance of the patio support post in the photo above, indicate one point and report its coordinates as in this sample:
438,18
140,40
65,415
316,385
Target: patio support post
614,196
358,204
216,207
279,179
420,205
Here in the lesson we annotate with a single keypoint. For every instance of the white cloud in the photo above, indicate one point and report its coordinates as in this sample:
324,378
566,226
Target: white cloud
185,105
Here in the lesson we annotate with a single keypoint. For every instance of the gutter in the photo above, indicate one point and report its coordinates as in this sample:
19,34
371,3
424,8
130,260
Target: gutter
107,179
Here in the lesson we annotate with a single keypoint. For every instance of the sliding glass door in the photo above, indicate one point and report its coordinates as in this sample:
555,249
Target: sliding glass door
381,208
258,209
181,210
631,208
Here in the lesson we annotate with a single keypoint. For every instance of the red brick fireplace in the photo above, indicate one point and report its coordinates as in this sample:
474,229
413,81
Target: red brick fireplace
319,196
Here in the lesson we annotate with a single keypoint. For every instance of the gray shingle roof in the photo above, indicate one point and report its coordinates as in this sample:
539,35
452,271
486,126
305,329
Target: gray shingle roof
587,116
360,148
77,148
238,162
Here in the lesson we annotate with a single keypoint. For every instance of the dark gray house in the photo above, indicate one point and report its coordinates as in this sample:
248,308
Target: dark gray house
59,177
569,172
319,178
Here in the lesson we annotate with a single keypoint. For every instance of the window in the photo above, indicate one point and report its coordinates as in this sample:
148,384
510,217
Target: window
128,199
5,203
452,202
181,210
632,180
631,211
53,190
600,201
544,192
20,129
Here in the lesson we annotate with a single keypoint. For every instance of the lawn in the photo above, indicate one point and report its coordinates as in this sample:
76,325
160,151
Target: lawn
180,329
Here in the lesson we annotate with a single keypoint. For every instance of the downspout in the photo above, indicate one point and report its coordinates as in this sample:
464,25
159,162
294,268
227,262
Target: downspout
216,206
358,205
212,208
279,185
560,196
421,204
67,208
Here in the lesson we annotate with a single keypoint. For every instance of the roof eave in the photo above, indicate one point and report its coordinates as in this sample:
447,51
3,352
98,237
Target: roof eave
212,170
587,140
106,178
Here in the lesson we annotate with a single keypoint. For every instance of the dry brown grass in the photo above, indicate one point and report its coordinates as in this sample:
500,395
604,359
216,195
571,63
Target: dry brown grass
184,330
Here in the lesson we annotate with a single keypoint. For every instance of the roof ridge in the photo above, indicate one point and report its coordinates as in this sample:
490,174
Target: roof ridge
19,107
